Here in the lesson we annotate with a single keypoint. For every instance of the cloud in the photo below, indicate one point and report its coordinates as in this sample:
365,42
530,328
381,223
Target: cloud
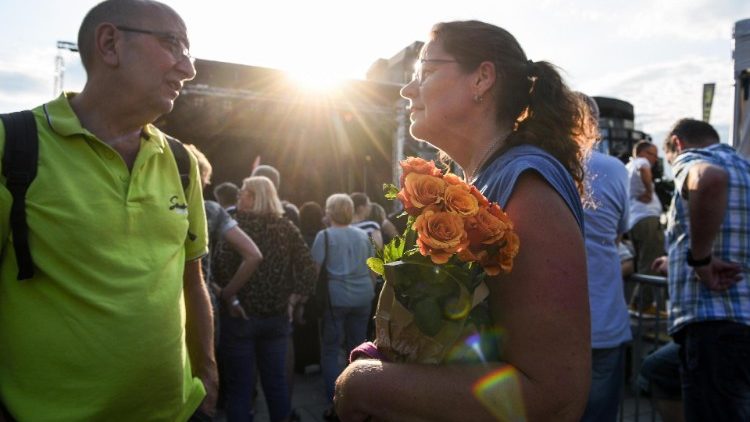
682,19
662,93
14,82
27,77
22,90
645,20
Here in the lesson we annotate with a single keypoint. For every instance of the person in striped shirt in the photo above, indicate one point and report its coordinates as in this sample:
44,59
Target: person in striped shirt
708,236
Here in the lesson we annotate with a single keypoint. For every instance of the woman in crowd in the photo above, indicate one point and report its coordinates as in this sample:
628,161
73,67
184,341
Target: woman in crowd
388,229
345,250
259,337
306,330
516,131
361,218
311,221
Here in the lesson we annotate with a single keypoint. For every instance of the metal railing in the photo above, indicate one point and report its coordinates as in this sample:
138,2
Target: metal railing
648,322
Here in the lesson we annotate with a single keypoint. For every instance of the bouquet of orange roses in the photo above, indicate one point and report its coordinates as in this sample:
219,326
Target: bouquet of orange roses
434,273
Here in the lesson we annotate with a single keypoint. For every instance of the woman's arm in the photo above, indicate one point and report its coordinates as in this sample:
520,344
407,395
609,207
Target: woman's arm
304,266
542,307
251,259
377,239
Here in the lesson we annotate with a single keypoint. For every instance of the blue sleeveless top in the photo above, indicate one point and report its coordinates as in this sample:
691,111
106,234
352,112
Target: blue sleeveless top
498,179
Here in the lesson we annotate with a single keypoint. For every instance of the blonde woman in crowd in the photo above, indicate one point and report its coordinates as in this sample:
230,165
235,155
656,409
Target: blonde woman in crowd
259,338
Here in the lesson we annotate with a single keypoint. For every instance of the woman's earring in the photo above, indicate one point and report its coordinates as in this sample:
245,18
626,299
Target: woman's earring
478,99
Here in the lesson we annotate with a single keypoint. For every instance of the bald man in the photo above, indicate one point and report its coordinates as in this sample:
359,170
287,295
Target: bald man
115,323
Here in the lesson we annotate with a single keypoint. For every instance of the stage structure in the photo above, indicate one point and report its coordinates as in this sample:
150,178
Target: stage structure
618,136
321,142
617,128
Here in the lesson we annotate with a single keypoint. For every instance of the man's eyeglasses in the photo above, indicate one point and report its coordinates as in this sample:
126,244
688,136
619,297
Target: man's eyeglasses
175,46
418,74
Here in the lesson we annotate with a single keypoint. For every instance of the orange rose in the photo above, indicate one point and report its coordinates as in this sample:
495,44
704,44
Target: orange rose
481,199
418,165
488,226
467,255
501,259
492,241
421,190
498,212
458,197
439,234
452,179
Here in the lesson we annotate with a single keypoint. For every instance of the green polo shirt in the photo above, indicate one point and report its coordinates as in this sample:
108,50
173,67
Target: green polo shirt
98,333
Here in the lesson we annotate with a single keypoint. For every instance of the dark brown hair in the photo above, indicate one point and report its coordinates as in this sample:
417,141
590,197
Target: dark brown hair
641,146
311,218
694,132
360,199
530,95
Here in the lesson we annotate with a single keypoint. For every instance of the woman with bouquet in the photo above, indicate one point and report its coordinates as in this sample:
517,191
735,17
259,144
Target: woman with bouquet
516,131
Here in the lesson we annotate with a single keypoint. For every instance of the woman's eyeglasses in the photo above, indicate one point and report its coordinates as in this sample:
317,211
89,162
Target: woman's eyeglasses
418,74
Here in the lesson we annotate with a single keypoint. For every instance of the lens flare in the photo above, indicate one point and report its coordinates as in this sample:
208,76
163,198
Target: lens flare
457,308
481,347
500,393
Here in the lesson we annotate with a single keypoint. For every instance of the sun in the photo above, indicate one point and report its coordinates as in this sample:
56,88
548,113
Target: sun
315,80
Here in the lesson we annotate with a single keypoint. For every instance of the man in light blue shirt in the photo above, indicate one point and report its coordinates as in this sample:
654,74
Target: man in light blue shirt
606,218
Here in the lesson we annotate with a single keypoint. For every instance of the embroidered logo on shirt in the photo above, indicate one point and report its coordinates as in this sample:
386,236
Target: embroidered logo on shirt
176,206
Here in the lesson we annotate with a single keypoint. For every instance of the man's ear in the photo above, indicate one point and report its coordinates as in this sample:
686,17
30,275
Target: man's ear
485,78
678,143
105,43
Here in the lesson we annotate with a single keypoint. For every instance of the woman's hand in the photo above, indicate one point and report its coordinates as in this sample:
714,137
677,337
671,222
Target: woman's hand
235,308
299,314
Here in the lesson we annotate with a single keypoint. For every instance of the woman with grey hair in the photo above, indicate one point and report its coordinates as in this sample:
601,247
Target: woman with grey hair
345,250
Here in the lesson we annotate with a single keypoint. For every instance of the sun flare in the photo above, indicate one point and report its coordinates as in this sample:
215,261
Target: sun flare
315,80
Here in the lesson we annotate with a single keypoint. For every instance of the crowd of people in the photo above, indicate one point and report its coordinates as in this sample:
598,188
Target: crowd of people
124,295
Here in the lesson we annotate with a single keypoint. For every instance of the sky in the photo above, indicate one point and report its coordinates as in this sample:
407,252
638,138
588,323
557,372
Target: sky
654,54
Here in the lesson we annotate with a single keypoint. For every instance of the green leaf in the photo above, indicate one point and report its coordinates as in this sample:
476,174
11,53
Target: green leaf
376,265
391,191
428,316
393,250
410,235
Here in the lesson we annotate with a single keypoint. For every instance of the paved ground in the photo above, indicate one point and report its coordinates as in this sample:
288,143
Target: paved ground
308,399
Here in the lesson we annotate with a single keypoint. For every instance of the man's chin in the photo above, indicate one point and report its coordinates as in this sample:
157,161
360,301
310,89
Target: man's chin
166,106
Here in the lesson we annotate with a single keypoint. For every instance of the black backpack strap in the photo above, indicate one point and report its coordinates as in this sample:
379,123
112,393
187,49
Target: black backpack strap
183,161
20,158
183,167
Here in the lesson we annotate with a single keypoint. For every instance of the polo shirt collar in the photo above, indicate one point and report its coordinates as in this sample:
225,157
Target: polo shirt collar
151,133
63,120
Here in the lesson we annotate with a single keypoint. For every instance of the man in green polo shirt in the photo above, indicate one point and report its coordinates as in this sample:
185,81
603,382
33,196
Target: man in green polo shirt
116,322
